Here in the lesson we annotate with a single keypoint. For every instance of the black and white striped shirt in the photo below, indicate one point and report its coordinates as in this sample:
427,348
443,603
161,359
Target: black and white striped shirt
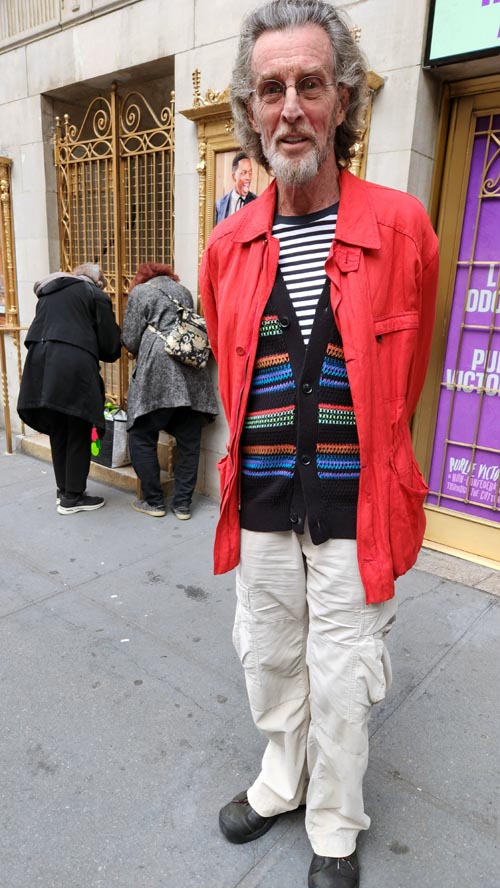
305,242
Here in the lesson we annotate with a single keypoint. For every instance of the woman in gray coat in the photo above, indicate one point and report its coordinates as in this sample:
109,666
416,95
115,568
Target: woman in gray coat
163,393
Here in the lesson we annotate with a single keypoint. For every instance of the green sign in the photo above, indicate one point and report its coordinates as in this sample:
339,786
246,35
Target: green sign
462,29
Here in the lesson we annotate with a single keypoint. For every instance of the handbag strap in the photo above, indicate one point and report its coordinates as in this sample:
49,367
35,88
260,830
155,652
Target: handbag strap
175,301
178,304
154,330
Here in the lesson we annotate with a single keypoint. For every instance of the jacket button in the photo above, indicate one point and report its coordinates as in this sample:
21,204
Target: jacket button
285,322
305,459
240,350
294,518
307,388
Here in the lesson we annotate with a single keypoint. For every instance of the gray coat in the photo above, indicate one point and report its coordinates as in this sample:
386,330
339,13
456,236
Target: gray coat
160,381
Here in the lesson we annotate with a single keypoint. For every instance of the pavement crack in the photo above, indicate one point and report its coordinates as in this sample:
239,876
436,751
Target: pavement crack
266,854
488,826
447,653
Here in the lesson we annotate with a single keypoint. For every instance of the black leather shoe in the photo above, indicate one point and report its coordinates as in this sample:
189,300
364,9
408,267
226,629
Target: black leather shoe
334,872
239,823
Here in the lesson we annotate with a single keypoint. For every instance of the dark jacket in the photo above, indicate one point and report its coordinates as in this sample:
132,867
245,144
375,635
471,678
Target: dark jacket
74,328
223,204
160,381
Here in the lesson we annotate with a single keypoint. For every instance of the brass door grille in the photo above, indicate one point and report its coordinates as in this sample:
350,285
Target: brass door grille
115,188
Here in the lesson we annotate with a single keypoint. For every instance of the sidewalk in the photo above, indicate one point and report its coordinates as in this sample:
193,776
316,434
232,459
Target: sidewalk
125,723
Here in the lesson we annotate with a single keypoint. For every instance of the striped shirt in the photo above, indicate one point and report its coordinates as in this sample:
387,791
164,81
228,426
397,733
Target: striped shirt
305,243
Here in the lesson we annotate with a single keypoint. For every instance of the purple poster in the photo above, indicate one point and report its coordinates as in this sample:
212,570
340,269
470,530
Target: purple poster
465,468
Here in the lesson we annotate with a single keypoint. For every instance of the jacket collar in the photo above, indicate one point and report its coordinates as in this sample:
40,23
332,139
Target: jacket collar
356,224
357,221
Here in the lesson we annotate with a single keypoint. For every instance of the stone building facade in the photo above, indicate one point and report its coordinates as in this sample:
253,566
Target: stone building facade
56,56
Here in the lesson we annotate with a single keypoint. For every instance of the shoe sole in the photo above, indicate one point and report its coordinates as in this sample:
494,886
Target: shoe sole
158,513
242,840
182,516
70,510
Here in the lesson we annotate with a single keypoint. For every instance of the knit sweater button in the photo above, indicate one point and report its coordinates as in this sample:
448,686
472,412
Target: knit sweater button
305,459
285,322
240,350
307,388
294,518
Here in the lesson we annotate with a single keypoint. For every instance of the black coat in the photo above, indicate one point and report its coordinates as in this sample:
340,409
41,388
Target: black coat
74,328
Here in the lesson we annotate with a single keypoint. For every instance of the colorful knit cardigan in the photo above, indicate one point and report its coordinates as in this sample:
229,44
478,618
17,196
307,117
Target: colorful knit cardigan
299,447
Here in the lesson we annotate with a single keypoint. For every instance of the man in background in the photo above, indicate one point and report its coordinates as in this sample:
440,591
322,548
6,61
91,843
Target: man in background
241,173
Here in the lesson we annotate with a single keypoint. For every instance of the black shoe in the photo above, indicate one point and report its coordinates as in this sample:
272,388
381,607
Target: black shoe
334,872
82,503
239,823
183,512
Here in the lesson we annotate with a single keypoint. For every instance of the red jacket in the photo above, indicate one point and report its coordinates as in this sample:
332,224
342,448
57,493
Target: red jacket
383,267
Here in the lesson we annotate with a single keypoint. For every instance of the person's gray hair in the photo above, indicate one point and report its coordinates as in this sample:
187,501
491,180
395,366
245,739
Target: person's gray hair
93,272
349,69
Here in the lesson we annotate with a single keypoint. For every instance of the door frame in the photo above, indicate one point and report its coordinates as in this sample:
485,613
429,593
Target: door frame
447,530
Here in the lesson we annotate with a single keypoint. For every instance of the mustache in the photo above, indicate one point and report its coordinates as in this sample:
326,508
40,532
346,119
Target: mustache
303,133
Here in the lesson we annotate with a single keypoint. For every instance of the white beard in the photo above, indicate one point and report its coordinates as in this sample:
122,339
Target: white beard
302,170
295,172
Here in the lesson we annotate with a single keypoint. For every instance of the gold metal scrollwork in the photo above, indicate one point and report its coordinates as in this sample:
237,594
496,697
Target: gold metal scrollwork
212,96
115,187
7,257
358,163
491,179
201,169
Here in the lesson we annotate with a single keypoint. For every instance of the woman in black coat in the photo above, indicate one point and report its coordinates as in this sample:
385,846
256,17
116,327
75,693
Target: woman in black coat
62,391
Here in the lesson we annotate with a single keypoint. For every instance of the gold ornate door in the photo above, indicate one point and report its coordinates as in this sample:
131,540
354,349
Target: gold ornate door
115,186
457,429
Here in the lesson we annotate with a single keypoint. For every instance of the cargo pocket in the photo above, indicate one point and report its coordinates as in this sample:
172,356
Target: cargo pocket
244,644
271,648
371,677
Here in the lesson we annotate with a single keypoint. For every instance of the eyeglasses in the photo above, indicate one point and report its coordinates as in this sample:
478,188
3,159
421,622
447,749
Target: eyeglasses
310,88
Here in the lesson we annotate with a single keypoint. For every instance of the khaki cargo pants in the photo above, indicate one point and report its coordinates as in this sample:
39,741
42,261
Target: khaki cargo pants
315,661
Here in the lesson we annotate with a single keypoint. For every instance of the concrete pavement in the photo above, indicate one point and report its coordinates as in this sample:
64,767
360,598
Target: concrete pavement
125,723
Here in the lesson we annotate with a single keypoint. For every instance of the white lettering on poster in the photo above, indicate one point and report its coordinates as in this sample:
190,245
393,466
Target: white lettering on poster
484,371
481,485
485,300
469,381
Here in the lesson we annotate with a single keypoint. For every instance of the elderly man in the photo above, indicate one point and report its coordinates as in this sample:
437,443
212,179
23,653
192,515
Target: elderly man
319,299
240,194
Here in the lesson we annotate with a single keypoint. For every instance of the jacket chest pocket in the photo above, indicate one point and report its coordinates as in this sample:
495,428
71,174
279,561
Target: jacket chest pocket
396,341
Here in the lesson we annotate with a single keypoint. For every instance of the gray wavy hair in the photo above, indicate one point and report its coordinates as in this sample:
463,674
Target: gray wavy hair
349,69
93,272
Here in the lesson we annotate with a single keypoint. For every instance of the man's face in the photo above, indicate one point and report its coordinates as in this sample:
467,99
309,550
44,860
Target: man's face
297,133
242,177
